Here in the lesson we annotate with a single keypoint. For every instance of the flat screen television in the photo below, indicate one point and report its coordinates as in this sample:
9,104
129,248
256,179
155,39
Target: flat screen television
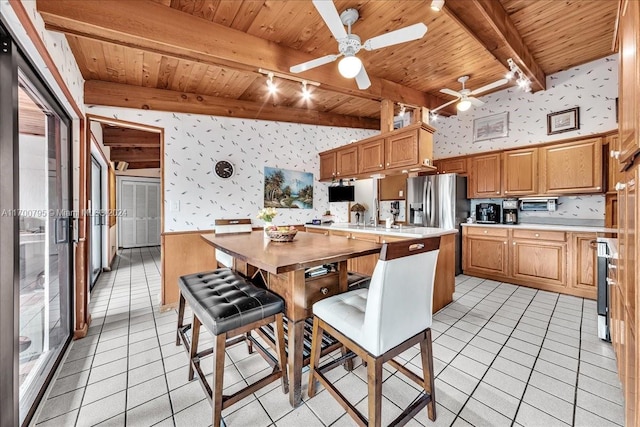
342,194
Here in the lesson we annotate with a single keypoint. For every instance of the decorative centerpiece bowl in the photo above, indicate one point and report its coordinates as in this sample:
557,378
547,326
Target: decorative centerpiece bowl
281,234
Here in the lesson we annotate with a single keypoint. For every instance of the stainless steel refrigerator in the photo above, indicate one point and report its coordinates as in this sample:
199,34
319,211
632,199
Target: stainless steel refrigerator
439,201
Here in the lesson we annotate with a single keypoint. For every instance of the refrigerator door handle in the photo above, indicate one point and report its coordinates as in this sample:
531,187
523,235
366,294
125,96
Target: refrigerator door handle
428,220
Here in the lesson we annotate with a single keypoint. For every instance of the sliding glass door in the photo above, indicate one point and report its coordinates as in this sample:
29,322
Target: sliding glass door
97,220
36,215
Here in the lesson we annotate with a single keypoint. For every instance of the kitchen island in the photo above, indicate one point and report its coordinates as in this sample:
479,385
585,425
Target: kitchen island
444,284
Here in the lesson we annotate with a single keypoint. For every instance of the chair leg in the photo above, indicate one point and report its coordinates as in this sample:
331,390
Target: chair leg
280,351
195,337
180,318
427,373
218,376
249,343
374,382
316,347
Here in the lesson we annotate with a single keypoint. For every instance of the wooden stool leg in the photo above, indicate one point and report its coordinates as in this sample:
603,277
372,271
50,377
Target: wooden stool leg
195,336
180,318
374,381
427,373
316,347
280,351
218,376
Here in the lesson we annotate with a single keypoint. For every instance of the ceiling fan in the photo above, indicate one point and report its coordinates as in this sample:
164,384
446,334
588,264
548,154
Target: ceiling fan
349,44
466,95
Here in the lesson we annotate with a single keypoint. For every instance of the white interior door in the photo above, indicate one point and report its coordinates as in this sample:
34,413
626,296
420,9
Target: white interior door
140,201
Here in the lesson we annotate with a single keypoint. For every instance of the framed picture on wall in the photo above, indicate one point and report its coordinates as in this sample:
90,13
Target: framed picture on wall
563,121
495,126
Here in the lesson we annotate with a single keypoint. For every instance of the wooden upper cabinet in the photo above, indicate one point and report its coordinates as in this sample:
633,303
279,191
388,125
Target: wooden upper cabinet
347,162
629,69
393,187
453,165
520,172
613,173
571,168
402,150
327,166
371,155
485,177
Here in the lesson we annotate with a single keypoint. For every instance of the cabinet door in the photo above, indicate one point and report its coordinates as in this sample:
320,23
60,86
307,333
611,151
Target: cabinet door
393,187
454,165
629,69
327,166
571,168
485,177
583,255
520,172
613,166
539,263
347,162
401,150
371,155
611,211
364,264
485,256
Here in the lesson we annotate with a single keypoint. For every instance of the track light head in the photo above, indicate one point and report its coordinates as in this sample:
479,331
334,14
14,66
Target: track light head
437,5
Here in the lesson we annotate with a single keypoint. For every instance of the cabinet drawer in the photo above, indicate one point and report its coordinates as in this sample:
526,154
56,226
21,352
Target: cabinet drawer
557,236
346,234
320,287
366,237
317,231
487,231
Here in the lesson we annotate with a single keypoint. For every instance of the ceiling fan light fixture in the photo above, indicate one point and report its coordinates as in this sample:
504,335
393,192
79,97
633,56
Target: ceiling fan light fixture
437,5
349,66
463,105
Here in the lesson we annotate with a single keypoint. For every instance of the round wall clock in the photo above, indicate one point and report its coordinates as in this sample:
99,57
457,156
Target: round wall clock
224,169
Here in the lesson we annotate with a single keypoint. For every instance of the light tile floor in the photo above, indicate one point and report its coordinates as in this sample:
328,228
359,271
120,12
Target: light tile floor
504,355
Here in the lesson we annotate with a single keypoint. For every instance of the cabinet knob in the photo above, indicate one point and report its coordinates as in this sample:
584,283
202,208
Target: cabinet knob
338,173
324,291
381,165
506,192
620,186
597,188
485,231
614,154
504,243
514,243
497,192
537,235
388,164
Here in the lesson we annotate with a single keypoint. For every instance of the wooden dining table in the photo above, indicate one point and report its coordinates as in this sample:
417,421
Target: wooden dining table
283,266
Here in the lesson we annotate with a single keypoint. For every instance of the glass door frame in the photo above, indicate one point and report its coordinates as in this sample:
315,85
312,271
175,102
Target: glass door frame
11,60
93,280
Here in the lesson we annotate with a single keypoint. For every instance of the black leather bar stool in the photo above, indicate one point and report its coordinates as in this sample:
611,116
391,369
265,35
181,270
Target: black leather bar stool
229,306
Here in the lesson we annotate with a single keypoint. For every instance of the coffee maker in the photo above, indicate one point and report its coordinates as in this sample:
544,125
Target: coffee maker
488,213
510,211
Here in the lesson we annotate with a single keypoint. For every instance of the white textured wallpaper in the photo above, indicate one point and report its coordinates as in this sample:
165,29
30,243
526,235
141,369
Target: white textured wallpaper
193,143
593,87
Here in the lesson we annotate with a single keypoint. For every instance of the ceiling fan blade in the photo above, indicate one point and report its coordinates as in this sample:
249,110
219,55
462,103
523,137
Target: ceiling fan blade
489,86
329,14
475,101
406,34
313,63
443,105
362,79
451,92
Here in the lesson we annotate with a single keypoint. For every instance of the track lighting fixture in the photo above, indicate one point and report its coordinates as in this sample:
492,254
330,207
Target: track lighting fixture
306,95
271,86
434,117
515,72
437,5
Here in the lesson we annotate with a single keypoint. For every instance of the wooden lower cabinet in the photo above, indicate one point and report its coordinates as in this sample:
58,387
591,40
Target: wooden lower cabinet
549,260
364,264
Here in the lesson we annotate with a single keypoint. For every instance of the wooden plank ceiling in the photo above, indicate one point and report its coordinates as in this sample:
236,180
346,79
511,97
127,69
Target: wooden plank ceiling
140,149
203,56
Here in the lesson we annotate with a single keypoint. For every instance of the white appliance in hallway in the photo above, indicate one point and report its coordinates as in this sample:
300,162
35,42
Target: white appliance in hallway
139,203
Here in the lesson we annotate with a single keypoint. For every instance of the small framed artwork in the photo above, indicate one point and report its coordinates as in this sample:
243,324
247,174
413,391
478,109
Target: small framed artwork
563,121
496,126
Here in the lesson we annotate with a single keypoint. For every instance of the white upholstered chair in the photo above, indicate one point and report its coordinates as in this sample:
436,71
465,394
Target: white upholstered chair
381,322
226,226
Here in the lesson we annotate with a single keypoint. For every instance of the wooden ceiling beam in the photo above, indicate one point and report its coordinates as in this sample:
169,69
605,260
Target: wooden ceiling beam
143,165
149,26
122,95
488,22
134,154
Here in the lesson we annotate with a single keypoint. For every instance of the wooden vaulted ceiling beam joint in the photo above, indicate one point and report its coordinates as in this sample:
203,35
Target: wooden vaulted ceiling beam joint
489,23
127,96
150,26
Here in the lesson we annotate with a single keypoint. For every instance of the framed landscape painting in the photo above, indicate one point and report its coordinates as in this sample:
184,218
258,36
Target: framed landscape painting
563,121
287,189
496,126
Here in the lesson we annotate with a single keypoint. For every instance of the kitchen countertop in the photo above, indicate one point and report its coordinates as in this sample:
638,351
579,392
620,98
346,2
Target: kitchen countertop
571,228
402,231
